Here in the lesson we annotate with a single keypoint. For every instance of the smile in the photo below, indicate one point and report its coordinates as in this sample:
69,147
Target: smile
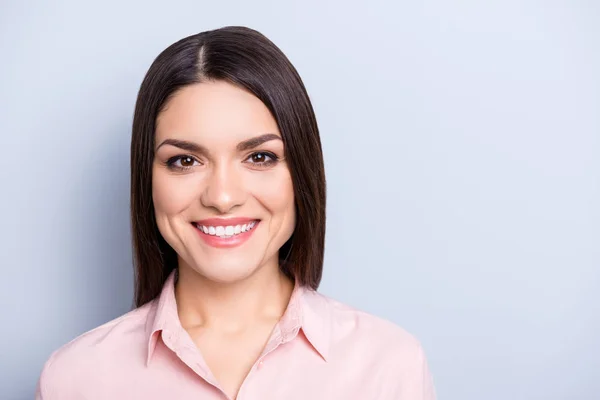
224,233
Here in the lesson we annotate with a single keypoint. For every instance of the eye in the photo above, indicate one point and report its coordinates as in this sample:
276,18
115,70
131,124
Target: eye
262,158
182,162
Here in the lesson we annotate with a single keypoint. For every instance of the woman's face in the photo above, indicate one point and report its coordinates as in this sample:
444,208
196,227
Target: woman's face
222,191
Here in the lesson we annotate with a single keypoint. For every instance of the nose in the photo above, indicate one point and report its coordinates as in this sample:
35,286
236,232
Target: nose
224,189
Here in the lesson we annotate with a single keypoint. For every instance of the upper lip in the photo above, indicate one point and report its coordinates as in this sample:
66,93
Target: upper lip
225,221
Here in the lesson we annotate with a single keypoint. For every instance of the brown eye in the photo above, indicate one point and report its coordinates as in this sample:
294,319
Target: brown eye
259,157
182,162
187,161
262,159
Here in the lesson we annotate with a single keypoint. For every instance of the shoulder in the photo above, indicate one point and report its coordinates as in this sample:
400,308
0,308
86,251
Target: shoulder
93,352
363,344
369,335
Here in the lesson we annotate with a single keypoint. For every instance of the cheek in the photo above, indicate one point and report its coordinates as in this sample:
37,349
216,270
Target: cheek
276,192
171,194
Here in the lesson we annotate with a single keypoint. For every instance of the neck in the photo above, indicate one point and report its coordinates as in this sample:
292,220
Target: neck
230,307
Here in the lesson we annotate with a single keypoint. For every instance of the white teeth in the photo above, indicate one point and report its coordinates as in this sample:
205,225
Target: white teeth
226,231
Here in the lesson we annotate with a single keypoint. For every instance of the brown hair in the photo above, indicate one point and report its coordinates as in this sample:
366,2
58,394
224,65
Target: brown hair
249,60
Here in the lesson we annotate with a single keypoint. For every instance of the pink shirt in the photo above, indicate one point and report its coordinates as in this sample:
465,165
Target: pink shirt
320,349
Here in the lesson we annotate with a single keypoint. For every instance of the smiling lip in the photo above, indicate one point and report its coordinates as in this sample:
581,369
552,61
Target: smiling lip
225,221
232,241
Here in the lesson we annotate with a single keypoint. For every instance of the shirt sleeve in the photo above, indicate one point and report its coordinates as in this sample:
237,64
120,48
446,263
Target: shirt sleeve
415,381
42,391
40,386
428,389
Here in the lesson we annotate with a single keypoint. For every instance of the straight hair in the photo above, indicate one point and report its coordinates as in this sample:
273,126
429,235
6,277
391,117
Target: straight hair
245,58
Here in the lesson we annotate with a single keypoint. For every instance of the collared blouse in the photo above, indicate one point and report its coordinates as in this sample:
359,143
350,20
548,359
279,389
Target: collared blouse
320,349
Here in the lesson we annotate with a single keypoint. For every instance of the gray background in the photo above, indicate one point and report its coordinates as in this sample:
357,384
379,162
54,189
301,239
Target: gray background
462,144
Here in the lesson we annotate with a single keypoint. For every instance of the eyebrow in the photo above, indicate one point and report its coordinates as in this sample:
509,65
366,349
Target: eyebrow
242,146
257,141
184,145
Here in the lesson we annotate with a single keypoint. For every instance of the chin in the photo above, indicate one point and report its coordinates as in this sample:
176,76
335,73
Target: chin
226,272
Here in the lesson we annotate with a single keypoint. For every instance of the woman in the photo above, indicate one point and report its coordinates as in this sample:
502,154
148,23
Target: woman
228,225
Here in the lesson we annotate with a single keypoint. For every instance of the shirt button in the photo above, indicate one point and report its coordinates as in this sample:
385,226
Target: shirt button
260,364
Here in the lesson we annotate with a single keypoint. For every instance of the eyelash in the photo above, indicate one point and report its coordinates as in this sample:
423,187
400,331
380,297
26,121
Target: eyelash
273,159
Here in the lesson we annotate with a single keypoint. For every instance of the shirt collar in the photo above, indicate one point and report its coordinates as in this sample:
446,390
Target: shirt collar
163,315
307,311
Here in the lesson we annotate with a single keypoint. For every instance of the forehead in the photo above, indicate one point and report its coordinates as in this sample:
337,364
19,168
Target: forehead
214,110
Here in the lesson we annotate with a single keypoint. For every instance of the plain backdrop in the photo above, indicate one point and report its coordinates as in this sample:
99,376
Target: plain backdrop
462,151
